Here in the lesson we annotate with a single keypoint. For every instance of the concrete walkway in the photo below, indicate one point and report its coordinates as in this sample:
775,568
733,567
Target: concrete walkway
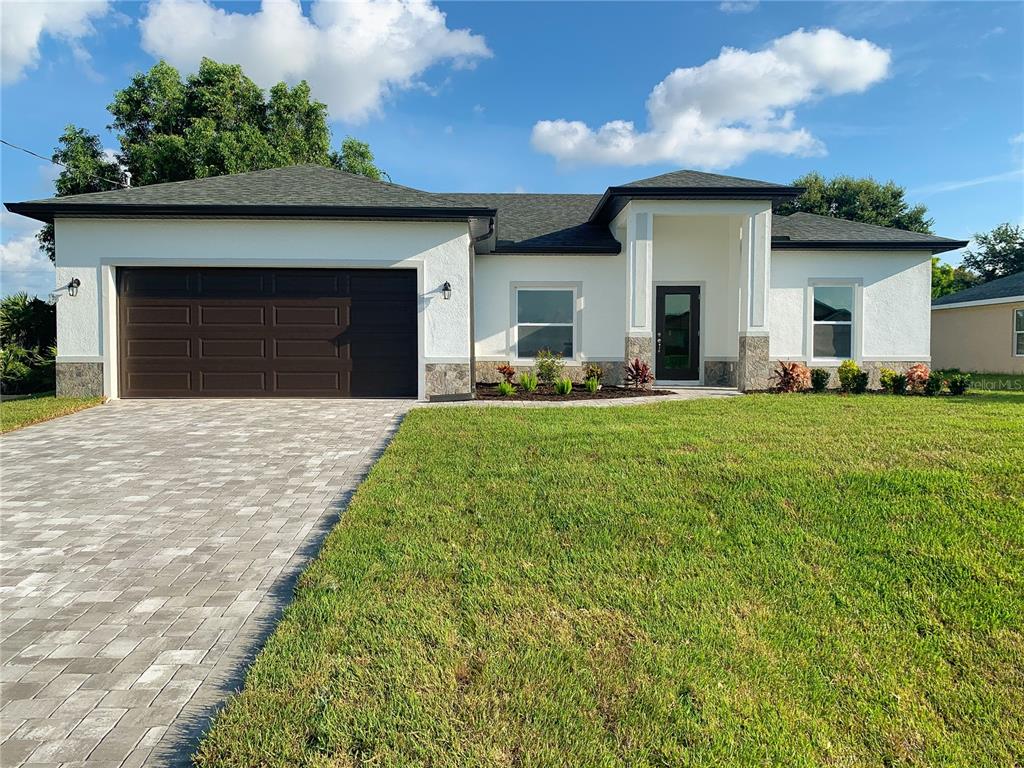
147,549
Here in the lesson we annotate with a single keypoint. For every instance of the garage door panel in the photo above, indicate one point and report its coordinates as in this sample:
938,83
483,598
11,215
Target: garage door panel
267,333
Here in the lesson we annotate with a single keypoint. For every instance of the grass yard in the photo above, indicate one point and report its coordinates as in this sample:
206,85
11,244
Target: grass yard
768,580
998,381
15,414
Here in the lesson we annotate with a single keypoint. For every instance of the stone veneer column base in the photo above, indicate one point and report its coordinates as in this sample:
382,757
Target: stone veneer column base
79,379
640,347
754,368
449,381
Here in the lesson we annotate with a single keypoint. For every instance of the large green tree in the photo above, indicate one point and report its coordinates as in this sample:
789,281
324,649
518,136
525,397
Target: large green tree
997,253
213,122
947,279
864,199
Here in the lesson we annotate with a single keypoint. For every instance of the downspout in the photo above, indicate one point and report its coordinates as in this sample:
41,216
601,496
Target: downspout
472,302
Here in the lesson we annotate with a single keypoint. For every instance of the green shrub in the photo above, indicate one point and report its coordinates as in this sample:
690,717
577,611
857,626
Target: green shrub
848,373
550,366
899,384
506,388
28,330
563,386
592,384
886,377
593,371
933,384
528,381
860,383
819,379
959,383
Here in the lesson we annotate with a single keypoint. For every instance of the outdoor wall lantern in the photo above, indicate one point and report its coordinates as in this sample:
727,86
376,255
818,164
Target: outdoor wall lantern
446,290
73,286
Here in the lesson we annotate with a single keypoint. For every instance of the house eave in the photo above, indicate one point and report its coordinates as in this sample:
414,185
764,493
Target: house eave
867,245
616,198
47,212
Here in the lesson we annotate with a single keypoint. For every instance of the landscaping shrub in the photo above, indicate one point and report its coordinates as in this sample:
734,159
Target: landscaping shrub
860,382
791,377
848,373
593,371
886,377
899,384
506,388
592,384
28,331
638,374
917,375
550,366
563,386
959,383
507,371
933,384
819,379
528,381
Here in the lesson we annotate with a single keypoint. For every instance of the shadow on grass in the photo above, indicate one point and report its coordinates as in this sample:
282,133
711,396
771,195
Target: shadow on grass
227,677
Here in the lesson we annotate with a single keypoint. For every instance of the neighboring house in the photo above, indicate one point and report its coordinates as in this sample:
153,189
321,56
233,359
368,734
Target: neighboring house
307,281
981,328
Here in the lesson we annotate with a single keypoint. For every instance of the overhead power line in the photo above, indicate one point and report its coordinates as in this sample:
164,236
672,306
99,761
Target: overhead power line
62,165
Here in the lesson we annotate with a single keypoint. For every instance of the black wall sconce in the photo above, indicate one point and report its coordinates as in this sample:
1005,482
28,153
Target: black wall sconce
446,290
73,286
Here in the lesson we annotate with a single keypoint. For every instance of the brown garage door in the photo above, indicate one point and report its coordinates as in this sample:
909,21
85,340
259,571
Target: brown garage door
267,332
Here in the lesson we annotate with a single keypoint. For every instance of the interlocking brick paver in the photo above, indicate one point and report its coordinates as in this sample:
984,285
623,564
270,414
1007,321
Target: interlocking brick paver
148,546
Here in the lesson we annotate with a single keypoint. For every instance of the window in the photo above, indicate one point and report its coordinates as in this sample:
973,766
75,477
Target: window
545,319
1018,332
832,326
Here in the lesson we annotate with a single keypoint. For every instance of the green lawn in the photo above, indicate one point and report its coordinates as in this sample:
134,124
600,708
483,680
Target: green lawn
769,580
998,381
15,414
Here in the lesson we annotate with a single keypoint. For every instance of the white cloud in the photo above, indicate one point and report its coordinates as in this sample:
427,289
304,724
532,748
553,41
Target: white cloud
24,267
715,115
994,32
24,23
951,186
354,55
737,6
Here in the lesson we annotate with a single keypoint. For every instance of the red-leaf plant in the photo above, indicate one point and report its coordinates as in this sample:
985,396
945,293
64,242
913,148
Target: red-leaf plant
917,376
638,374
792,377
508,371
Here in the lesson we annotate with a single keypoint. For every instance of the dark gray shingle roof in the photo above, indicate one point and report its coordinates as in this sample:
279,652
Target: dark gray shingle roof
550,223
700,180
809,229
1003,288
292,186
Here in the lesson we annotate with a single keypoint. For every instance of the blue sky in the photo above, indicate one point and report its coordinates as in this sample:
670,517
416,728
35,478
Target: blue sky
512,96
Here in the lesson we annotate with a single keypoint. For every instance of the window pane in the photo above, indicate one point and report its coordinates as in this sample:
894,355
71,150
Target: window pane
833,303
1020,343
1019,315
533,338
832,341
545,306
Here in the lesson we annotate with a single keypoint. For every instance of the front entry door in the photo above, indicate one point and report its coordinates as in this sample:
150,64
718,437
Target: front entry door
677,333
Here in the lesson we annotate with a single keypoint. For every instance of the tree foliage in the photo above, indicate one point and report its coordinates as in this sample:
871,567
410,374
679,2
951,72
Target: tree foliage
864,199
216,121
947,279
997,253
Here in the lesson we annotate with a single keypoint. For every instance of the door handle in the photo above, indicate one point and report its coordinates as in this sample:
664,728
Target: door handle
659,341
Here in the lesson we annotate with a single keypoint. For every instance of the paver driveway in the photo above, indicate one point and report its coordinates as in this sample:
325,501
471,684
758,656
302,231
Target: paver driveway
147,548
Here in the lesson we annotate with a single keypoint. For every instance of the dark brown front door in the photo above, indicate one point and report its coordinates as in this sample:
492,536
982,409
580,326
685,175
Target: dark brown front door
677,333
267,332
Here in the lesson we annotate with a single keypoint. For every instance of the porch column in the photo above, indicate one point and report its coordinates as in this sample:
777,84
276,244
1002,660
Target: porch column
754,367
639,268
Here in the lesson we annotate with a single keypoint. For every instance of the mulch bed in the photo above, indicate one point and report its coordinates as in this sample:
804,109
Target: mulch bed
547,392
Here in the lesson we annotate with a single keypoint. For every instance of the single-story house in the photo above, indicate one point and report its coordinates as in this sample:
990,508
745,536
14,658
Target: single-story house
981,328
308,281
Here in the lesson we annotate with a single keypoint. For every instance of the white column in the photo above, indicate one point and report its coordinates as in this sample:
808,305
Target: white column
639,237
754,273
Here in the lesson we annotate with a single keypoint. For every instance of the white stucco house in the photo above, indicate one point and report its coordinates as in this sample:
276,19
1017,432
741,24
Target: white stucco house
307,281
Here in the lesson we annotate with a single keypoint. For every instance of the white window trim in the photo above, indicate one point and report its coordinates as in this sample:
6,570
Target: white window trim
855,323
513,343
1016,333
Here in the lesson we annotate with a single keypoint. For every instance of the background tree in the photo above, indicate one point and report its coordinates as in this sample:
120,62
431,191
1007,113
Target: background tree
997,253
85,168
865,199
214,122
947,279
